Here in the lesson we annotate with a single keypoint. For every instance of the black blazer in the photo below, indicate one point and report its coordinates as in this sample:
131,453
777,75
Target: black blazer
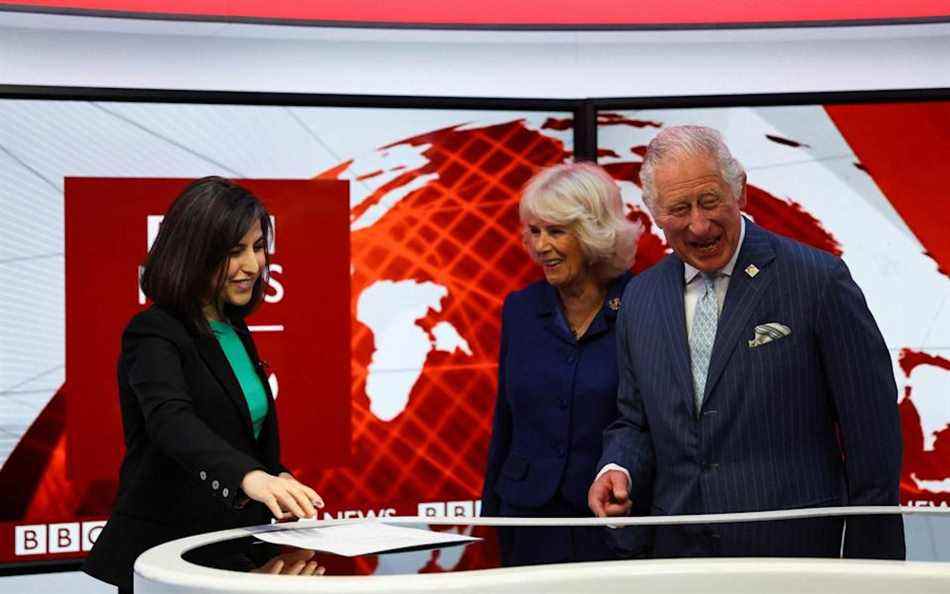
189,442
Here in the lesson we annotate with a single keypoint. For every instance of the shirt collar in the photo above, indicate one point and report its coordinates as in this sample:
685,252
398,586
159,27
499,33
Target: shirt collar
690,272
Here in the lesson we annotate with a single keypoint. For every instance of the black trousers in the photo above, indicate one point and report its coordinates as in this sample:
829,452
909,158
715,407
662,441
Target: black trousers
533,545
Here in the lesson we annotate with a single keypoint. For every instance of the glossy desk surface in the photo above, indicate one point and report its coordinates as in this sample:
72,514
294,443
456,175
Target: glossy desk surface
236,561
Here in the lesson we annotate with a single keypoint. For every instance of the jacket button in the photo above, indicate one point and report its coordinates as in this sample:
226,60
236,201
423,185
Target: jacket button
203,475
571,358
560,452
224,492
215,485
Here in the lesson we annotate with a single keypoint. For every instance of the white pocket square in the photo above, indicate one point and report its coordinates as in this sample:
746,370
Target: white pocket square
766,333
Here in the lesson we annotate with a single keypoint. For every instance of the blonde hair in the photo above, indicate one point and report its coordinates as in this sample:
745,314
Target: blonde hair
585,199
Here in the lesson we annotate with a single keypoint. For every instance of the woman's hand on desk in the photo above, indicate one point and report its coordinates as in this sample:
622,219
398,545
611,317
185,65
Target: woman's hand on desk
299,562
283,495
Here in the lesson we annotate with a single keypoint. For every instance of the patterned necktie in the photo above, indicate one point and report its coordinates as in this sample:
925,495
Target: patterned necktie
701,339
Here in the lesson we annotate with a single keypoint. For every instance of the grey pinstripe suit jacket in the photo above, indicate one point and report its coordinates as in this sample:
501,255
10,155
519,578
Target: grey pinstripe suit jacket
807,420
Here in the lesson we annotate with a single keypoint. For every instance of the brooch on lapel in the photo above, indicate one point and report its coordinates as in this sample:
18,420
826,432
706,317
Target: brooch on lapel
614,303
766,333
752,270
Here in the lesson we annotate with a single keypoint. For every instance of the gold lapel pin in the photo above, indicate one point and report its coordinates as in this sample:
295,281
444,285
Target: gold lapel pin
752,270
614,303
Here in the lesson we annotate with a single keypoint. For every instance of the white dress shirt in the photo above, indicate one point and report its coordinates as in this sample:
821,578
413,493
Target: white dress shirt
692,291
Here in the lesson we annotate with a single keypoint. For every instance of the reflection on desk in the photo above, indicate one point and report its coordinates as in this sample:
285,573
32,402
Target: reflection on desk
232,560
250,554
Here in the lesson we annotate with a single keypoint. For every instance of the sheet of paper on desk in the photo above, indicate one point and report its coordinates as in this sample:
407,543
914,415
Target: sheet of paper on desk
365,538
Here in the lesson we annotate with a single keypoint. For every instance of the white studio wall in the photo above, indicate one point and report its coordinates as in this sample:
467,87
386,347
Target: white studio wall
39,49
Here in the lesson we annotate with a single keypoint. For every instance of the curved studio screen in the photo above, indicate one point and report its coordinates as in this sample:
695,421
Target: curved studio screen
383,352
391,416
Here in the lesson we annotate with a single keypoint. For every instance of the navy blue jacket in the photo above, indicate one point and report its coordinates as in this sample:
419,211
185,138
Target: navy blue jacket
807,420
555,397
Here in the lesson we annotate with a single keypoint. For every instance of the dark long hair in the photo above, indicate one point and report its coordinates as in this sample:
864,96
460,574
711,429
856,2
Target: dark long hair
190,254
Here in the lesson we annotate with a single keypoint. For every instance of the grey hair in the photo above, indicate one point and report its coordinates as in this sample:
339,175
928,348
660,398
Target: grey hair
585,199
689,140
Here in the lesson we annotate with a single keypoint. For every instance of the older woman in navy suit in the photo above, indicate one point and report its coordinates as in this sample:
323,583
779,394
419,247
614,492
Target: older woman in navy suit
557,371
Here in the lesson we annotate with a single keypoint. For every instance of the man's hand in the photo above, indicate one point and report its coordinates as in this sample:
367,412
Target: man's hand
283,495
609,495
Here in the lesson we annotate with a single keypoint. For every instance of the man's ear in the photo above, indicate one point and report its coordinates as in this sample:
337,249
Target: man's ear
743,194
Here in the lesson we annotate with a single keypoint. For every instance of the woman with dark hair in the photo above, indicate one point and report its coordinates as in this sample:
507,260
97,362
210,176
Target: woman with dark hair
202,447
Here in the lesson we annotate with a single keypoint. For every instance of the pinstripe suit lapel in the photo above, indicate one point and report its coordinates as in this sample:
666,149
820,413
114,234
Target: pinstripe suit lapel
673,312
744,291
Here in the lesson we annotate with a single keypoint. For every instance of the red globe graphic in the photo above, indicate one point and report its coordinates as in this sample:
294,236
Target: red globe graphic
461,231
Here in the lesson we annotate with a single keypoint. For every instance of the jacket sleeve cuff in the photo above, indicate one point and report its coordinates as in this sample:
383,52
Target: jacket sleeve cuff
227,489
613,466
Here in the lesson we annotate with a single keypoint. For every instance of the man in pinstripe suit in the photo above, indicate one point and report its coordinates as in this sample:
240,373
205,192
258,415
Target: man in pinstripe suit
752,377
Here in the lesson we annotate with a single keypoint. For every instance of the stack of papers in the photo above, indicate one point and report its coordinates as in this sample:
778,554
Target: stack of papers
364,538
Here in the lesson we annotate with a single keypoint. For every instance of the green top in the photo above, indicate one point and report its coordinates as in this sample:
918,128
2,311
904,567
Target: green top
244,370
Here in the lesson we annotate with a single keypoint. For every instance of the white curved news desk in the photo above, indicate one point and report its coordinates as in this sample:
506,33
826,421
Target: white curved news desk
162,570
